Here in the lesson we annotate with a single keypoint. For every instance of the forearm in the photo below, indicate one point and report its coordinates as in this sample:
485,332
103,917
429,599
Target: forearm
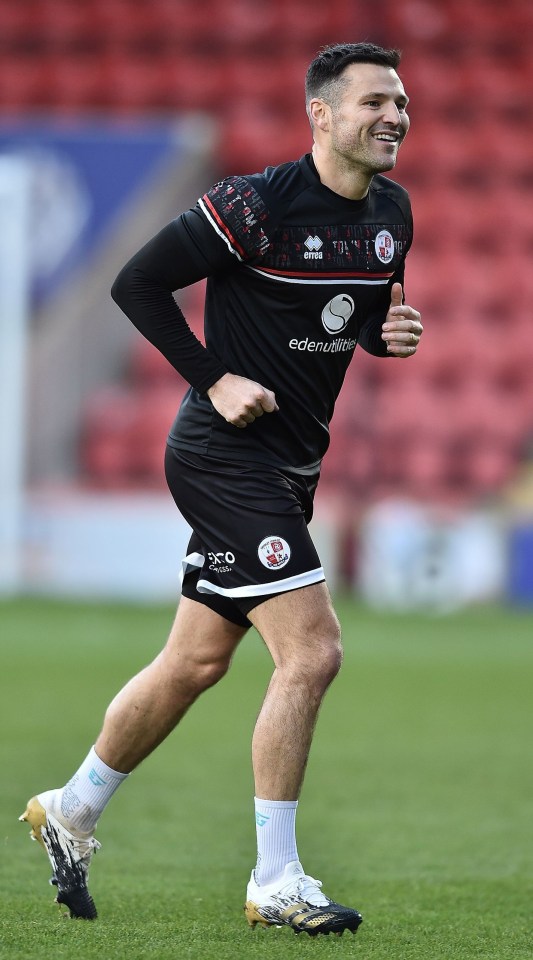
143,290
157,316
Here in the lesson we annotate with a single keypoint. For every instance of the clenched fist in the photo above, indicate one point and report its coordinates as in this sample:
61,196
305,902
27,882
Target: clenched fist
240,401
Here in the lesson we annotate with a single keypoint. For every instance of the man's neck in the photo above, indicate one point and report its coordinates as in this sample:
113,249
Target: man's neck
352,183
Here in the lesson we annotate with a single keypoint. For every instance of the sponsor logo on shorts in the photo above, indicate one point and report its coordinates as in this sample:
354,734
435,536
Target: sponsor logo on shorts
274,552
384,246
222,561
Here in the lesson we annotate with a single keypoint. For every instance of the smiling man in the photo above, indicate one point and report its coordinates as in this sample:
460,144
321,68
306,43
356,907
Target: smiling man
358,117
304,262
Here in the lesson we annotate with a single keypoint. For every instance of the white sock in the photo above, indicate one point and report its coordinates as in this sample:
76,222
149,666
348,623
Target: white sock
88,792
276,838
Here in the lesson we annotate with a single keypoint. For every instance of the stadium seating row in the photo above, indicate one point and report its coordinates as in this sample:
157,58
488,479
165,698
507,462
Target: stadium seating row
451,27
462,92
455,26
441,427
210,23
125,430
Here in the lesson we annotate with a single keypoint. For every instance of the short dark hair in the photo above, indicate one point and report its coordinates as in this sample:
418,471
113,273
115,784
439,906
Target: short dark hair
324,71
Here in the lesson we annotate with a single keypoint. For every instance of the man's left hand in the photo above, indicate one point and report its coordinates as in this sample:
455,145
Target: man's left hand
402,328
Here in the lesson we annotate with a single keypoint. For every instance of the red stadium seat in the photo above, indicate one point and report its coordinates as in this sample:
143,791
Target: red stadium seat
24,83
73,83
120,22
486,23
270,80
149,368
350,462
246,25
487,413
187,81
488,467
105,438
247,128
426,469
186,23
415,22
124,435
192,302
20,24
431,82
310,24
63,23
155,410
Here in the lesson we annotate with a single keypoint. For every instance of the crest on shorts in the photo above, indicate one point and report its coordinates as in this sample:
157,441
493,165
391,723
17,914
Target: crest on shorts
274,552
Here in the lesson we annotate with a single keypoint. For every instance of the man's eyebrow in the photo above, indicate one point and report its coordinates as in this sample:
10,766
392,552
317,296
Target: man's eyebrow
381,95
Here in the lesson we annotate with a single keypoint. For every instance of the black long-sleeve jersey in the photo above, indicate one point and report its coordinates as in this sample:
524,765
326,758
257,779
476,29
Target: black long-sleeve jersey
297,276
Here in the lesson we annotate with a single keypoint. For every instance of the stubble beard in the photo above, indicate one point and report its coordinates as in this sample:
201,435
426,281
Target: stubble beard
363,161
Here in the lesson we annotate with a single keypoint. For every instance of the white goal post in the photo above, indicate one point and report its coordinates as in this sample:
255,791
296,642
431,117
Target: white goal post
14,310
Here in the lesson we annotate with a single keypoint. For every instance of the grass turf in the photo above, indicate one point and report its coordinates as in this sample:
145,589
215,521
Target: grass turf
416,807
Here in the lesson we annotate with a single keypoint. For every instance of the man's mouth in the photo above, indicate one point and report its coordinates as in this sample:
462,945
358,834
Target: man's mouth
387,137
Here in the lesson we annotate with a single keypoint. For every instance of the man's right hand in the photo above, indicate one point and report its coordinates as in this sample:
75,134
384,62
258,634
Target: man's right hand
241,401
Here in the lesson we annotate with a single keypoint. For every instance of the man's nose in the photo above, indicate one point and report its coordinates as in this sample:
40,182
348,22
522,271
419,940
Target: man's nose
391,114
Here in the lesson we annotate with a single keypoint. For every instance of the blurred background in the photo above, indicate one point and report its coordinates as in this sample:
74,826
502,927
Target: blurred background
115,115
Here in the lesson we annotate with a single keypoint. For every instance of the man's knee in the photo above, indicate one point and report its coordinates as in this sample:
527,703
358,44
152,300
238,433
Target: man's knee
207,672
195,670
200,647
303,635
318,666
325,648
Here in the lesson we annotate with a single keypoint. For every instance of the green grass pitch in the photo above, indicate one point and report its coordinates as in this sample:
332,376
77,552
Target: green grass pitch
416,807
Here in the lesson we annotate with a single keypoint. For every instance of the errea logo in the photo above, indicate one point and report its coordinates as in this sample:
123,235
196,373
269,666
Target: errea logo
313,245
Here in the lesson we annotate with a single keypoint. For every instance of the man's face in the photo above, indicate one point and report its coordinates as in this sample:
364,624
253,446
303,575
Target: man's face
369,122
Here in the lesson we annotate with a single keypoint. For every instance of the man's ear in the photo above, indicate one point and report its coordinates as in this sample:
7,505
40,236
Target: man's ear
319,113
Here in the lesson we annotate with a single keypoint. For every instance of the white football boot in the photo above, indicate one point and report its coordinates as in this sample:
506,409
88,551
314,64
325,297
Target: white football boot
296,900
69,853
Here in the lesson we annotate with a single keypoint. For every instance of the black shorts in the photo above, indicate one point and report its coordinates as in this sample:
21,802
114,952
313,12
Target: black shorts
250,539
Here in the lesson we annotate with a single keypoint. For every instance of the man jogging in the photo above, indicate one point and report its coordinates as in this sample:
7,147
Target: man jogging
304,262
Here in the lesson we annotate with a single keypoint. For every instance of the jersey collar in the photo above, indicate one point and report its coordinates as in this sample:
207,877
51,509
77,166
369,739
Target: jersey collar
310,172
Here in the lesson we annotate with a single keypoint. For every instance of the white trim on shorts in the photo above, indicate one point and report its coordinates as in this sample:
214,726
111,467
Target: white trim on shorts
260,589
190,562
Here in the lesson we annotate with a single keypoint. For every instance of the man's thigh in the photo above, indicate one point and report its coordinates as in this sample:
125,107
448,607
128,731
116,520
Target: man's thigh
200,634
298,623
